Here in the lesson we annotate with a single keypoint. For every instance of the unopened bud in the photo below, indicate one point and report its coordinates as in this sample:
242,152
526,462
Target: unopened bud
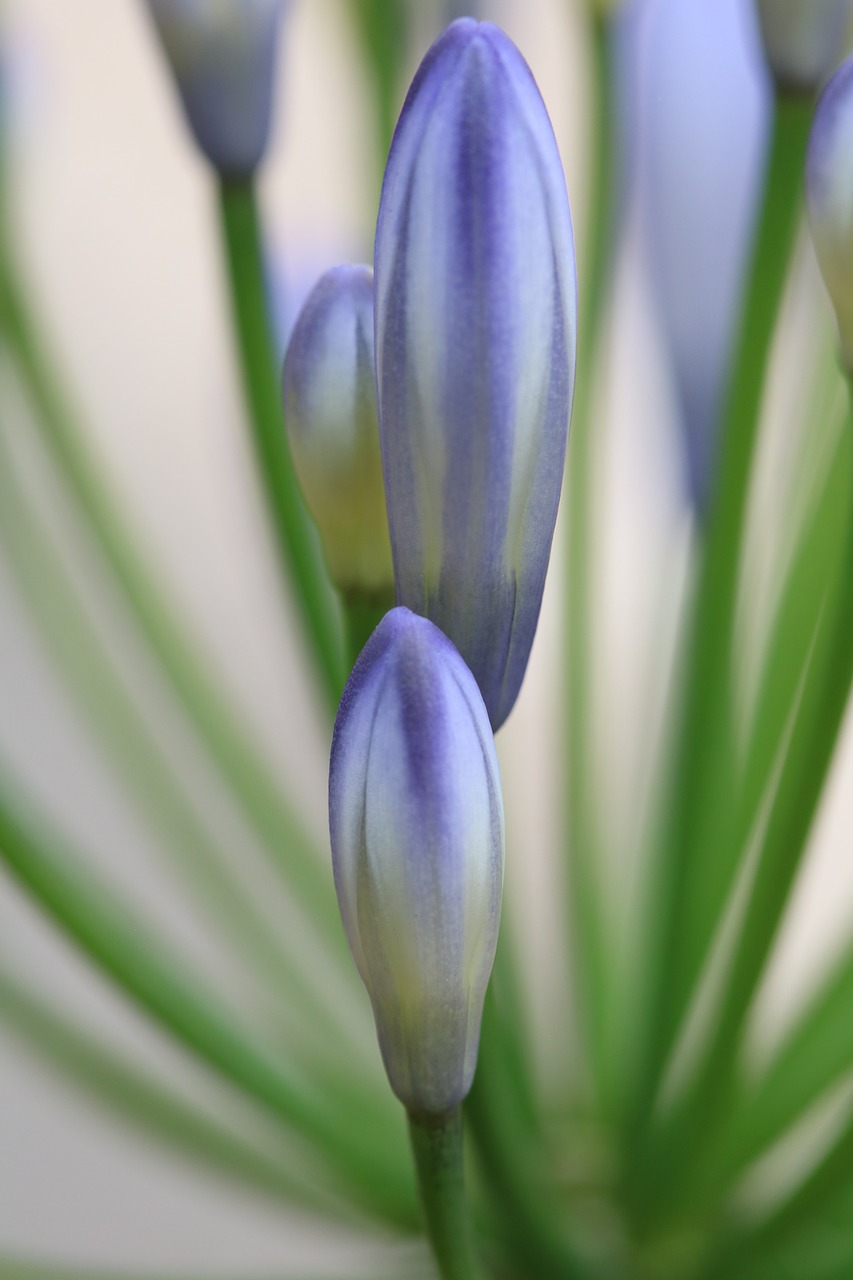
330,411
222,54
418,849
829,196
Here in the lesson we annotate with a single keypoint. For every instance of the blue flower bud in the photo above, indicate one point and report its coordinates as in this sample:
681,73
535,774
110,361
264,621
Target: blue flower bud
330,411
476,317
701,114
801,39
417,835
829,196
222,54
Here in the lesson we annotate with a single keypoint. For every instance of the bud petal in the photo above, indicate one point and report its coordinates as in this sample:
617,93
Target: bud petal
476,317
222,54
418,847
330,410
829,195
801,39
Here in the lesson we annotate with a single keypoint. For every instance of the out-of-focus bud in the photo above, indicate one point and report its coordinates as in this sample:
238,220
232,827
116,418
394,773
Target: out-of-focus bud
829,196
476,315
417,835
330,410
222,54
699,129
802,38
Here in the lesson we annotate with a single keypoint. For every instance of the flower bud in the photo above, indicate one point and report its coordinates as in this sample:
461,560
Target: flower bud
330,411
801,39
829,196
700,119
476,317
222,54
418,847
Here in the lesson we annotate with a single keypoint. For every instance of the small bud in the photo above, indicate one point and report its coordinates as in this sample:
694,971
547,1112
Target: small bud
330,411
418,849
222,54
476,317
829,196
802,38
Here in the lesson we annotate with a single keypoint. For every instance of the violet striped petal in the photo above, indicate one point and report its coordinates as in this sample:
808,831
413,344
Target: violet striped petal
829,196
222,54
476,316
417,835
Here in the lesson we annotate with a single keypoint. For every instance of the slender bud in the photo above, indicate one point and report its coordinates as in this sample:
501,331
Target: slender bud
330,411
802,38
418,849
476,316
222,54
700,128
829,196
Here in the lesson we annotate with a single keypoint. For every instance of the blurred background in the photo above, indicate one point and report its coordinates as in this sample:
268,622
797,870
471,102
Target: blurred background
115,227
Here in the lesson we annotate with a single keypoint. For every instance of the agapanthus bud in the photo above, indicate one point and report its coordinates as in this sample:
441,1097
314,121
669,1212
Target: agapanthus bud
330,411
476,315
222,54
418,848
699,126
829,196
801,39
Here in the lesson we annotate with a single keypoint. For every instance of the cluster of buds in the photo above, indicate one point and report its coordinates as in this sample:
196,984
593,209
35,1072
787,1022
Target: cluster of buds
474,312
427,412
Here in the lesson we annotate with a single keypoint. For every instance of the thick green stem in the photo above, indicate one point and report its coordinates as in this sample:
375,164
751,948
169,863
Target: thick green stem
437,1148
696,869
588,930
296,538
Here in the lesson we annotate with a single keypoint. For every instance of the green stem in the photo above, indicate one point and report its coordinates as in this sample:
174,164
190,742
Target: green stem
362,615
809,754
163,985
95,683
588,925
141,1101
695,868
297,540
199,692
437,1149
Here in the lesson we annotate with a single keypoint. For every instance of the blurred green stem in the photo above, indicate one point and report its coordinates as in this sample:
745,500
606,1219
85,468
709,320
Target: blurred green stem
594,947
362,615
695,871
437,1149
807,760
163,985
198,691
151,1108
296,537
92,678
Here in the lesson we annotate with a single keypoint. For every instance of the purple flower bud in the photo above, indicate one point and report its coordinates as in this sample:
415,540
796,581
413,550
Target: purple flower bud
476,316
829,195
701,118
802,38
222,54
330,411
417,835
